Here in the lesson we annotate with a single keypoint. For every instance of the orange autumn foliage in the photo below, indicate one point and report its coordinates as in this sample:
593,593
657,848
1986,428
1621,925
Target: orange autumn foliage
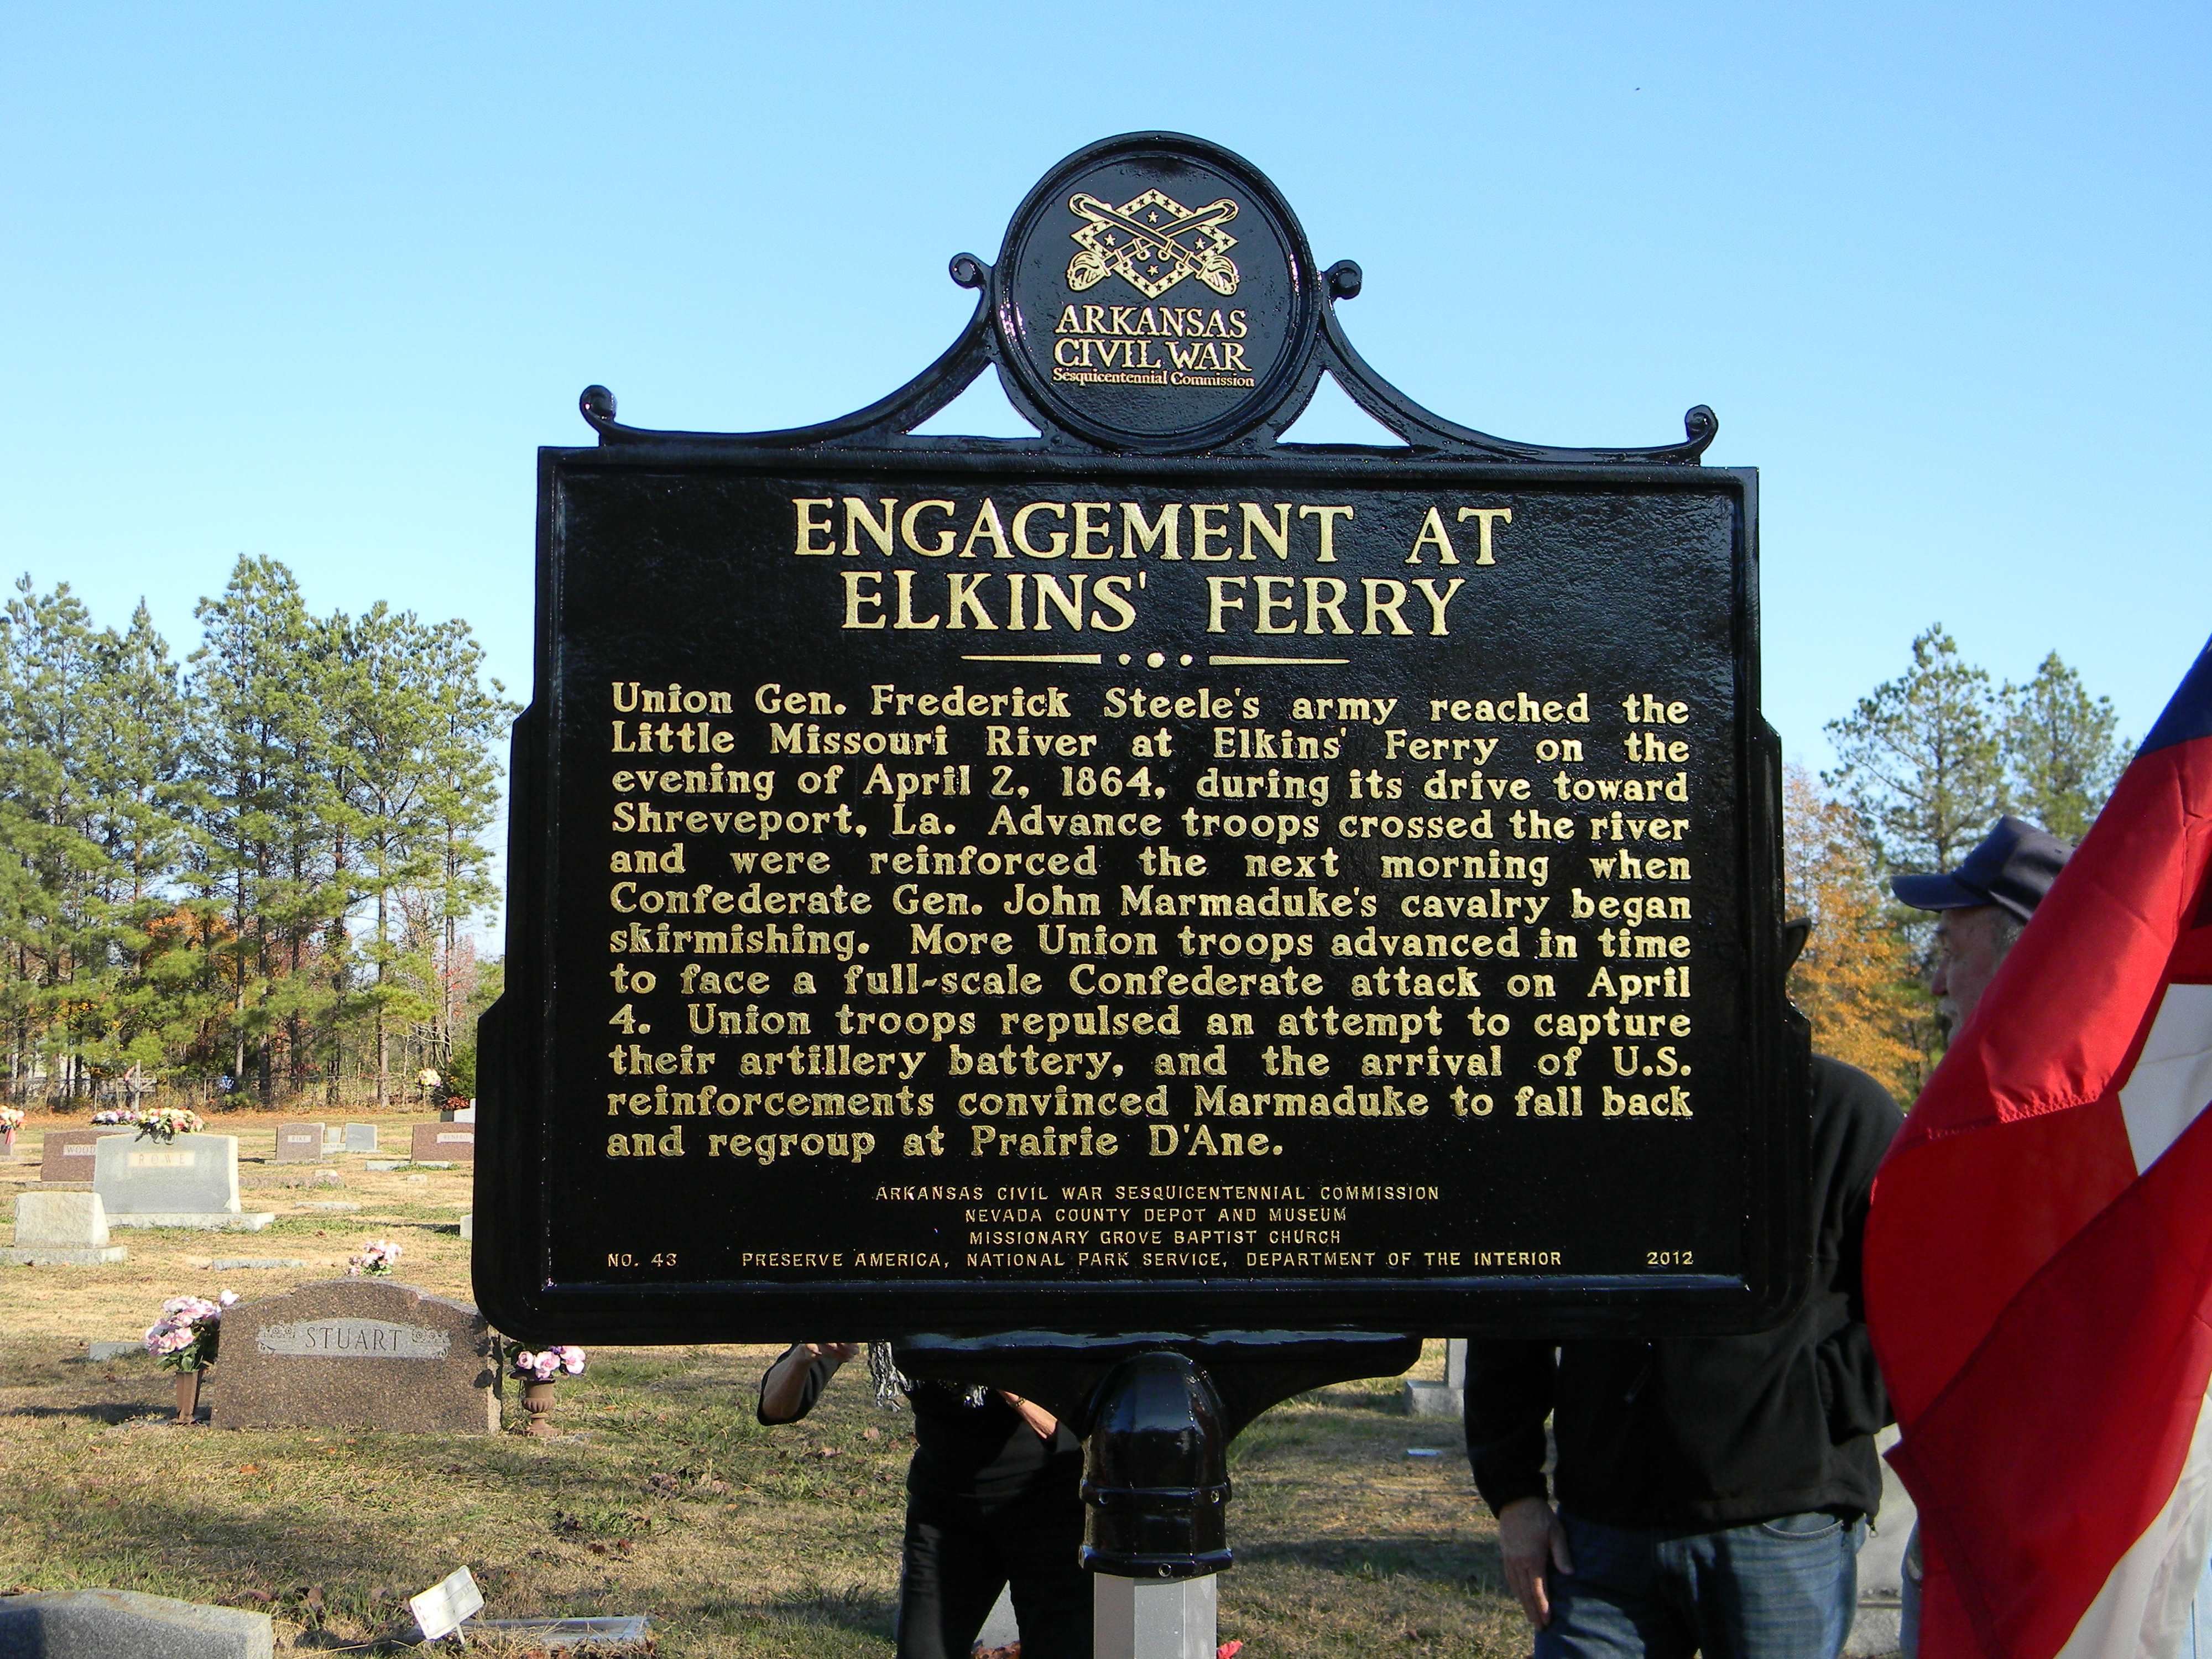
1857,979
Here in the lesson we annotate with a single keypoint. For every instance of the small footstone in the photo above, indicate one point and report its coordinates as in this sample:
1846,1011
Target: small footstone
100,1352
251,1263
106,1623
383,1163
330,1204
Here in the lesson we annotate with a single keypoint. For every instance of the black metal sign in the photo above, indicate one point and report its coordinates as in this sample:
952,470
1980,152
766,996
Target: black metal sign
1151,876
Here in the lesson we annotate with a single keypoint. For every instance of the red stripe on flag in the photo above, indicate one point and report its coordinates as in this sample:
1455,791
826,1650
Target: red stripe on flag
1986,1198
2061,1439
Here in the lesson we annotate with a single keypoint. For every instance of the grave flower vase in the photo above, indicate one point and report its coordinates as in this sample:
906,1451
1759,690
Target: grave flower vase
538,1401
188,1395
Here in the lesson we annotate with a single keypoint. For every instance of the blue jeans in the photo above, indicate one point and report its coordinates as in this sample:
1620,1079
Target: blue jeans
1784,1589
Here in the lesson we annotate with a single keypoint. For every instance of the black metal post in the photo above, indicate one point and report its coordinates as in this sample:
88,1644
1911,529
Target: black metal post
1156,1509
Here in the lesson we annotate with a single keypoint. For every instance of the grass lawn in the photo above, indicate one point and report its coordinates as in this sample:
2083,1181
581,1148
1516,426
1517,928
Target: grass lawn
662,1496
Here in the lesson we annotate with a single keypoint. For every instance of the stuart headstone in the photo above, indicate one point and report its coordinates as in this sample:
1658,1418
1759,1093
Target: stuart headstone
299,1143
360,1137
361,1353
190,1181
445,1143
60,1230
67,1153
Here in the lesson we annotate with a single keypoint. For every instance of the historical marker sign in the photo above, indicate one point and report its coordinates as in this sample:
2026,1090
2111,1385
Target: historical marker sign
1149,877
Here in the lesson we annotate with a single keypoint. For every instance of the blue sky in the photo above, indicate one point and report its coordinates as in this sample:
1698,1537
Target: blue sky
316,283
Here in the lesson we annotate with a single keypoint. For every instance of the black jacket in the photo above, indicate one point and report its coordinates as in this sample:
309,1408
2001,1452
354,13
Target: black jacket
985,1451
1705,1432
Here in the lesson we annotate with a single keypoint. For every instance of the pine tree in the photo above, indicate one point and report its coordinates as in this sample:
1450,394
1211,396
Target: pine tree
261,678
1921,762
2062,749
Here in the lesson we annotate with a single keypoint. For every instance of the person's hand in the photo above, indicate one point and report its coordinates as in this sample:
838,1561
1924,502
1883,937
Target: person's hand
1532,1545
838,1352
1042,1421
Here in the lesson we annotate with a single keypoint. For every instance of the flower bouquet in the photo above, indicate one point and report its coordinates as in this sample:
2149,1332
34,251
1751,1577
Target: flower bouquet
182,1339
11,1119
547,1363
166,1123
539,1371
116,1114
375,1259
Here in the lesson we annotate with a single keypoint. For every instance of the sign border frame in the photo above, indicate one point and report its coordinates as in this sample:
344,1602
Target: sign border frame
514,1188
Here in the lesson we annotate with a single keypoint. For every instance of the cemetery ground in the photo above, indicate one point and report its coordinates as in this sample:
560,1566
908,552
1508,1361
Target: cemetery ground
661,1495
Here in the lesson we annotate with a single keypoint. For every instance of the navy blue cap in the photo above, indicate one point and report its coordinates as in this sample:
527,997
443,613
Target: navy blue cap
2012,868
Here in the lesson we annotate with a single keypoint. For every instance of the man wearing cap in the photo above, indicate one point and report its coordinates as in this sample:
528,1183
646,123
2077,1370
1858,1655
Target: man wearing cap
1981,909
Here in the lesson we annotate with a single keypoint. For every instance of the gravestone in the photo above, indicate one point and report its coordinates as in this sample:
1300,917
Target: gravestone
67,1154
333,1138
60,1230
360,1353
440,1143
300,1143
188,1182
108,1624
360,1137
458,1114
1441,1399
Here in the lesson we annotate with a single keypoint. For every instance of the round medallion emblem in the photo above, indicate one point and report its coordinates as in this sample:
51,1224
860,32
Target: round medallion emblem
1155,293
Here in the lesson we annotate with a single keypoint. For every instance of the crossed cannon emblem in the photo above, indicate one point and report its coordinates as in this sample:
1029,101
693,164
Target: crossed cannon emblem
1151,243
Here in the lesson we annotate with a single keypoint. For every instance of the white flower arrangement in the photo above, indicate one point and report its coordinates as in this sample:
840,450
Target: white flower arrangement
167,1123
11,1119
183,1338
375,1259
116,1114
547,1363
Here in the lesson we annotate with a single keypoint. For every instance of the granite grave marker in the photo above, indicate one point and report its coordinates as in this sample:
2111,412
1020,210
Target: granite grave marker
67,1153
440,1143
190,1181
358,1353
61,1230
